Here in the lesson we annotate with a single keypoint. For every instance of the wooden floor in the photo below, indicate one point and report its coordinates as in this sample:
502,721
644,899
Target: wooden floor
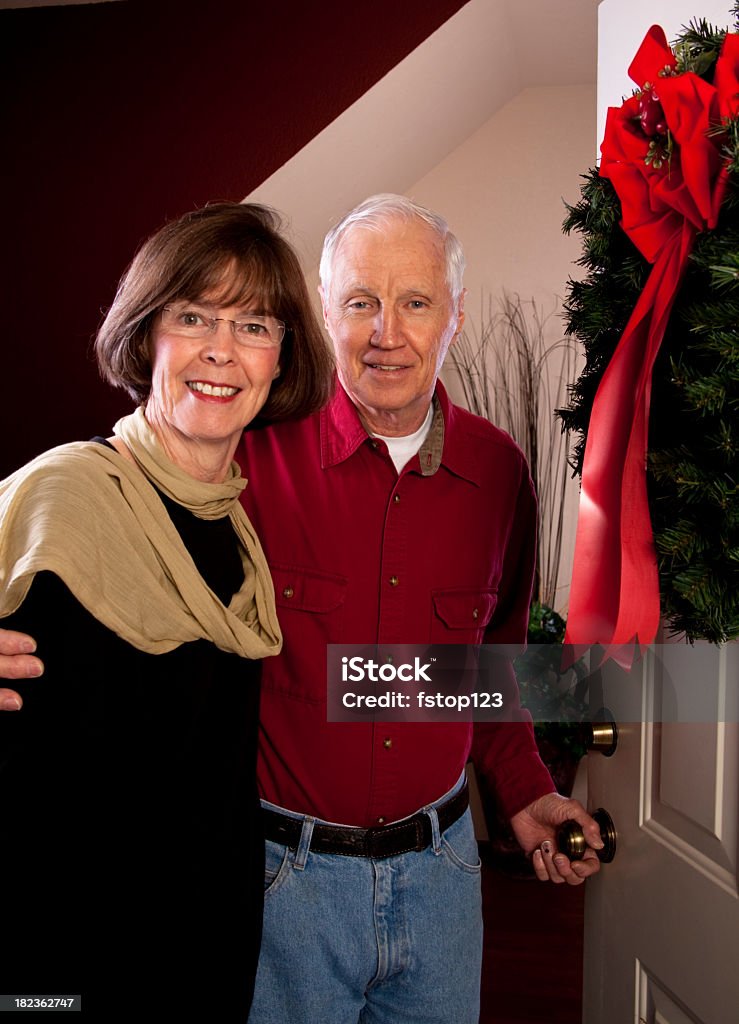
532,959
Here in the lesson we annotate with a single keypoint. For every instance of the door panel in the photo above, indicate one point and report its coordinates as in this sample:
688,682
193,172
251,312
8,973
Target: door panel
662,920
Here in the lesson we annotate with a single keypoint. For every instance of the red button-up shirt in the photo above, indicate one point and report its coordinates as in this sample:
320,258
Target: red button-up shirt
441,553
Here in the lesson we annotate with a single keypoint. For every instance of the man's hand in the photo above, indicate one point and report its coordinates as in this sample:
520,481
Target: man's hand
535,828
16,662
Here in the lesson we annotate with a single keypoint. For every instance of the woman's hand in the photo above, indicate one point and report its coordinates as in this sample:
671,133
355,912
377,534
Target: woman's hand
16,662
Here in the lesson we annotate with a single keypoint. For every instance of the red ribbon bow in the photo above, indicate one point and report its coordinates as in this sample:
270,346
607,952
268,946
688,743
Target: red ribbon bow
666,196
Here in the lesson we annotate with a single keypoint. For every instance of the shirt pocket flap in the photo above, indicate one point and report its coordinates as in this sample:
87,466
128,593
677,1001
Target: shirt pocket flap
307,590
465,609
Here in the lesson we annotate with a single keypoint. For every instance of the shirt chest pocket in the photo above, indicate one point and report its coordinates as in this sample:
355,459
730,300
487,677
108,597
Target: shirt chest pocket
310,609
461,615
307,590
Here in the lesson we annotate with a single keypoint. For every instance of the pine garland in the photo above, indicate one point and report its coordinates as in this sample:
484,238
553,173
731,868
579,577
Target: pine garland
693,463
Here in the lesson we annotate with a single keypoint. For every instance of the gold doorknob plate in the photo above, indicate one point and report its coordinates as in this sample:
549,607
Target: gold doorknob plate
603,733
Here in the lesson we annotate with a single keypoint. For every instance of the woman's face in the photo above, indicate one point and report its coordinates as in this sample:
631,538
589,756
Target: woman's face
204,390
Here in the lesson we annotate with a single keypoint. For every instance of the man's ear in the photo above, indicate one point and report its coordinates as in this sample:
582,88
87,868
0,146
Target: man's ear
460,315
461,310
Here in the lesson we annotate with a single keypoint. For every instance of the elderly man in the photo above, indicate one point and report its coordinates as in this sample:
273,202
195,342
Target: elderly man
392,516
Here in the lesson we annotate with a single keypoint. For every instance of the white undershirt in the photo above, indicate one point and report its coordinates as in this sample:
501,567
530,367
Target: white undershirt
402,449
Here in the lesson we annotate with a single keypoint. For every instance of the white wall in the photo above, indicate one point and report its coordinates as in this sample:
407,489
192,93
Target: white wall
503,191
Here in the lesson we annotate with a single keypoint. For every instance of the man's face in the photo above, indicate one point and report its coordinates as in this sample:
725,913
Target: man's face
391,318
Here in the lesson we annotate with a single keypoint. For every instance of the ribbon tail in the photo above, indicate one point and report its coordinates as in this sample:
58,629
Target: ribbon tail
614,596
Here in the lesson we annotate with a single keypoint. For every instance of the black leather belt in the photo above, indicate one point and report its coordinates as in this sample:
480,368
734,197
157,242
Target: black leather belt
385,841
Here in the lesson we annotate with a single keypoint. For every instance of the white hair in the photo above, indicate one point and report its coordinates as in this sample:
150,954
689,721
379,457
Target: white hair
375,213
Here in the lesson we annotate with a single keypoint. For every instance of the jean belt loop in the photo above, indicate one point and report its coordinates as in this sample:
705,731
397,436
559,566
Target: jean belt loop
306,834
435,830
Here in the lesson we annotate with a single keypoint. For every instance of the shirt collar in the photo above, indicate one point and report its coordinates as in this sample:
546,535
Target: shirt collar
342,432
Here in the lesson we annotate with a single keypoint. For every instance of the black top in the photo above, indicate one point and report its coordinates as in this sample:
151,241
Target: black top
131,844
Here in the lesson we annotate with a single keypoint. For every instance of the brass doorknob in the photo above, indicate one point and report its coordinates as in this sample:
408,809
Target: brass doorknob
571,841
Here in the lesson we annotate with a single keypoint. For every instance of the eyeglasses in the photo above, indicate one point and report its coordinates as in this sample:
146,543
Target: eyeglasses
255,331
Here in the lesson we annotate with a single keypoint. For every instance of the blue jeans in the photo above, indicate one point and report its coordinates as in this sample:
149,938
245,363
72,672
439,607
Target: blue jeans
353,940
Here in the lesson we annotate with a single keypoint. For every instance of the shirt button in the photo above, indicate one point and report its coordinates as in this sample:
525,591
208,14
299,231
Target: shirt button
381,820
396,499
394,581
387,743
475,613
288,592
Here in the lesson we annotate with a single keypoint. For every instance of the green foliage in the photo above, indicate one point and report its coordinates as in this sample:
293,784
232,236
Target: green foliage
555,698
693,462
698,47
545,625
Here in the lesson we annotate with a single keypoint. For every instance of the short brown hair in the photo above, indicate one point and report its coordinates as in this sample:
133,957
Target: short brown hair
230,252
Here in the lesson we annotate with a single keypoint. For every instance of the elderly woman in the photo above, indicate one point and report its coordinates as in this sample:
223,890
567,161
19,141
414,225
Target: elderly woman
131,847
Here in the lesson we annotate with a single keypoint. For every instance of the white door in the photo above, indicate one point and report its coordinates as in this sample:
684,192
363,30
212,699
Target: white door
662,919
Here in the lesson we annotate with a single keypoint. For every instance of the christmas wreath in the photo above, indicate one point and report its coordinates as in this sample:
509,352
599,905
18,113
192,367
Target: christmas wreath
655,408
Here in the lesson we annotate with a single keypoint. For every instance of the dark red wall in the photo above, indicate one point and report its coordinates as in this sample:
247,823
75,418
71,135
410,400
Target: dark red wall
118,116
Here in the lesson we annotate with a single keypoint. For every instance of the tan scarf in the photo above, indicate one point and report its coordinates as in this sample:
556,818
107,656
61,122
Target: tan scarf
90,516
